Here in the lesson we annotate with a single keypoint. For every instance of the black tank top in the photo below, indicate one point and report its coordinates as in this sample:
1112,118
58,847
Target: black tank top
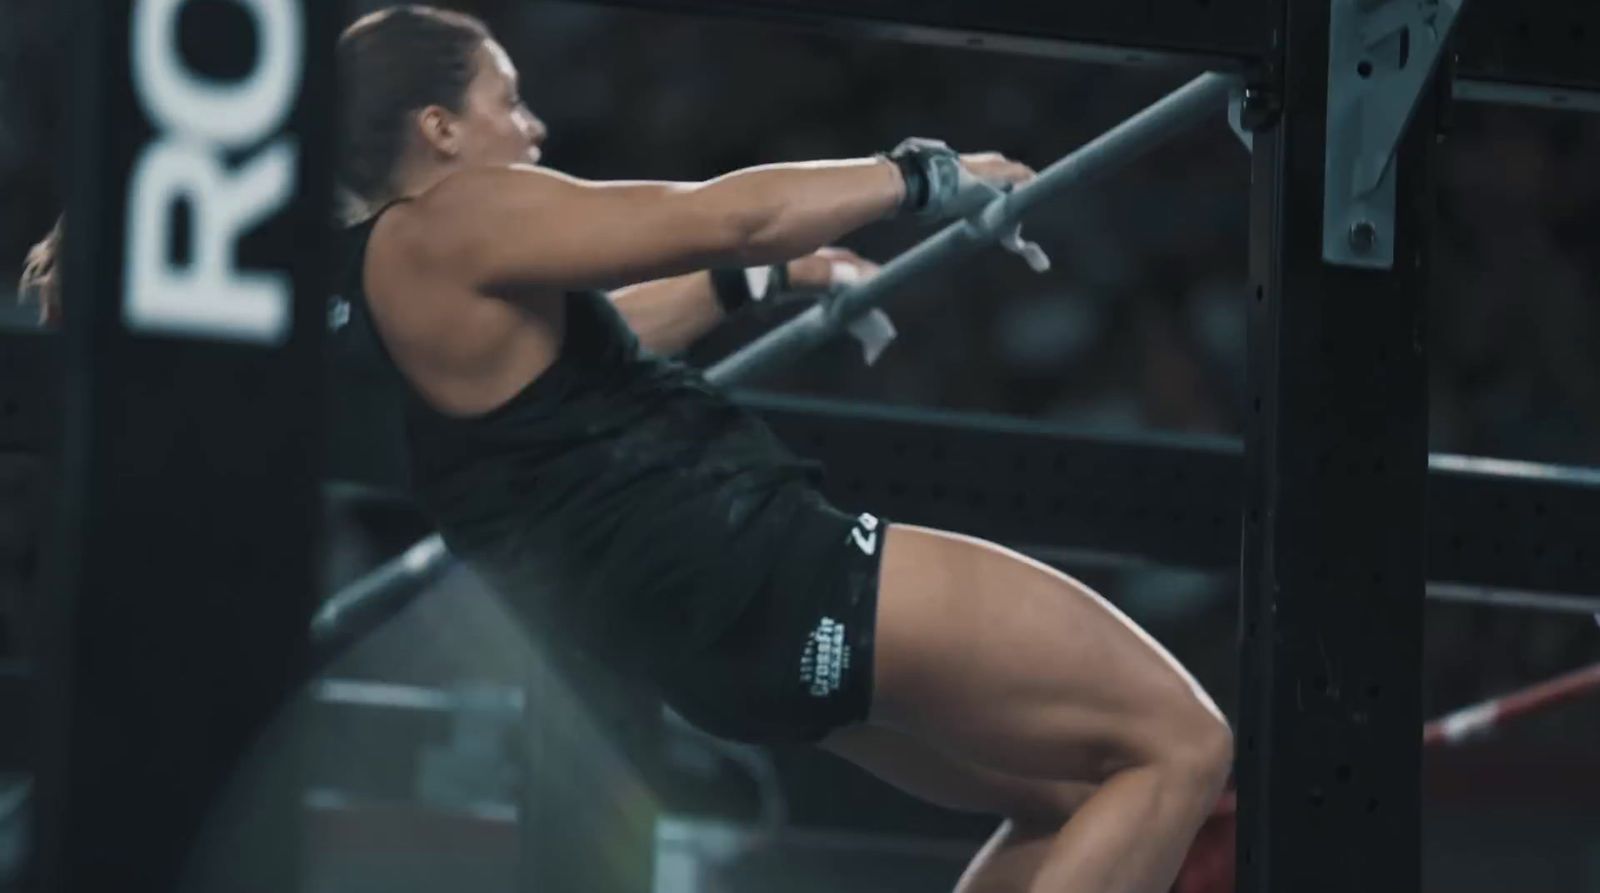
611,482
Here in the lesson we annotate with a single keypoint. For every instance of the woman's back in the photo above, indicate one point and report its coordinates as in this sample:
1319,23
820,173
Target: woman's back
464,352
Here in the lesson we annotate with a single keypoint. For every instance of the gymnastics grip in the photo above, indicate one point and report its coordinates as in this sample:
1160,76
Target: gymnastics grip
940,187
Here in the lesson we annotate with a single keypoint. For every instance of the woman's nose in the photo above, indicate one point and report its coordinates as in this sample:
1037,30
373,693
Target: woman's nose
535,129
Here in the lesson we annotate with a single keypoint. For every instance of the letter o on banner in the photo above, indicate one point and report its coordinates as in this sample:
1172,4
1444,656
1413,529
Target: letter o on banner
234,114
198,121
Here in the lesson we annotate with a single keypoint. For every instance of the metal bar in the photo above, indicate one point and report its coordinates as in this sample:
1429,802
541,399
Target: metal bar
1518,43
1528,95
377,596
1170,500
1546,602
1176,113
1487,716
1493,524
1530,43
1211,34
1444,593
1333,547
1166,499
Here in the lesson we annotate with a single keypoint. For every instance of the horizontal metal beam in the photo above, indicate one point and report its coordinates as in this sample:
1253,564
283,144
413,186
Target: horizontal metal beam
1522,43
1493,525
1165,500
1530,43
1530,96
1210,33
1168,500
1171,500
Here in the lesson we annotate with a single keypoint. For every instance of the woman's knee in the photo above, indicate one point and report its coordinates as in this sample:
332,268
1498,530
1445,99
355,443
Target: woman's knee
1196,745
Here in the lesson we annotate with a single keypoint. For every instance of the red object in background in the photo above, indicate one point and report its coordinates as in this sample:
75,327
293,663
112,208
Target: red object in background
1210,866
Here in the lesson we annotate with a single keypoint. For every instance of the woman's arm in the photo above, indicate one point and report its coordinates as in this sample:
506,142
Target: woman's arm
670,314
519,228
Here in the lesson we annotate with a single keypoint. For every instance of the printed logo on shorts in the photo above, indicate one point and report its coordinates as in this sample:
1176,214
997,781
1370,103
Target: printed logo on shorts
826,658
865,533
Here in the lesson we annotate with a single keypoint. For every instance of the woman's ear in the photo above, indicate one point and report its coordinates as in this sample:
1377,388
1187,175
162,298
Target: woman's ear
439,131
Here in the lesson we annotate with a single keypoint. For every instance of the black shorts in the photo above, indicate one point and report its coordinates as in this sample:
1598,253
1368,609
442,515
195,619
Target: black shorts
797,663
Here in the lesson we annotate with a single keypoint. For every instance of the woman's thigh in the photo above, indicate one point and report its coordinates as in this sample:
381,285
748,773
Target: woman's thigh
1003,661
936,777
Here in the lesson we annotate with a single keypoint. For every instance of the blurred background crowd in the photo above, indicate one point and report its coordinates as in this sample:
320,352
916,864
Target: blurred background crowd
1138,328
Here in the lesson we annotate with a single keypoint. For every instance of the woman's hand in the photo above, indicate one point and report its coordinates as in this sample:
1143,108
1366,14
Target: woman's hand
829,267
996,169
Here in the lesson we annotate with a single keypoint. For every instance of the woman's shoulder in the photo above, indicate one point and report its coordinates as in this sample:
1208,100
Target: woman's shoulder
471,190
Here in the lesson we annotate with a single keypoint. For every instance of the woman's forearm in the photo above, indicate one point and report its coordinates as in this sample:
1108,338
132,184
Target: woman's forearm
670,314
789,210
786,210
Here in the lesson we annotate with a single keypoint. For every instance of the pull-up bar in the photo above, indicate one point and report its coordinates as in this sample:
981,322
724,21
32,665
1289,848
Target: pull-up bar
1175,113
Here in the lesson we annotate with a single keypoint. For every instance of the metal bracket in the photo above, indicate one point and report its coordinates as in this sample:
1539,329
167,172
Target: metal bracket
1236,102
1252,108
1381,56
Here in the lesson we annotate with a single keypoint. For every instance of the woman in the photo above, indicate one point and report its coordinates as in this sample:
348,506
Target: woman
624,507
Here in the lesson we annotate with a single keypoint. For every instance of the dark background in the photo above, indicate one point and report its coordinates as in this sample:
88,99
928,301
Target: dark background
1138,328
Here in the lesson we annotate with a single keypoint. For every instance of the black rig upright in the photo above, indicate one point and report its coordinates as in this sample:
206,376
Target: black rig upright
185,566
1333,547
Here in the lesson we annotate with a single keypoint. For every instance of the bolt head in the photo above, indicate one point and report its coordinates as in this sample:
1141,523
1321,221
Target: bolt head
1363,235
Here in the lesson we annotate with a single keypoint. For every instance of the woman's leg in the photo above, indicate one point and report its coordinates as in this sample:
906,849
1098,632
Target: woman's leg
1003,663
1033,809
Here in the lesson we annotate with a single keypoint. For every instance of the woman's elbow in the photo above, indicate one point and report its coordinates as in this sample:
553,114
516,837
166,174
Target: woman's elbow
739,232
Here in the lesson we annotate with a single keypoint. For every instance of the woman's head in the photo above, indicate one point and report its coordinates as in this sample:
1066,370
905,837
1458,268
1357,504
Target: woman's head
41,276
426,91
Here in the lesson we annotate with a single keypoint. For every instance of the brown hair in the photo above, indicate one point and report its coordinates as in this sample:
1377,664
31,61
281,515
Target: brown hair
41,277
393,63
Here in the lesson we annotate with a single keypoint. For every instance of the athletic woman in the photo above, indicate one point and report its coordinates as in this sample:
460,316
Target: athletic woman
626,508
